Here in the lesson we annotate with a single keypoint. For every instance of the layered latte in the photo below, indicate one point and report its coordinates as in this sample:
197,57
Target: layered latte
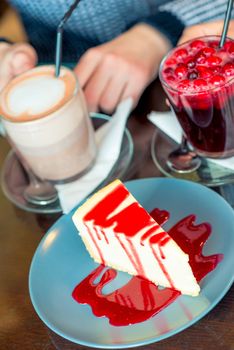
47,122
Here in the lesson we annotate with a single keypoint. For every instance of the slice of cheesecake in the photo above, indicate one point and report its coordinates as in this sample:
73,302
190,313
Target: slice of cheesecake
118,232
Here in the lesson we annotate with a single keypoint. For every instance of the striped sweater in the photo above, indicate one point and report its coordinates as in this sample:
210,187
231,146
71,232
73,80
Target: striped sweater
97,21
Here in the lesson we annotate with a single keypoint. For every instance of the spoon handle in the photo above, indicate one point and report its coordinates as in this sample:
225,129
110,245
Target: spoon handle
226,23
59,38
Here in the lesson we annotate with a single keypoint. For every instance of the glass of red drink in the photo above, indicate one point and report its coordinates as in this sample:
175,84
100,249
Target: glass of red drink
198,78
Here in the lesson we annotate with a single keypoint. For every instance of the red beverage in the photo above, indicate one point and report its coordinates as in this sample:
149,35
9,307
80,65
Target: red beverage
198,78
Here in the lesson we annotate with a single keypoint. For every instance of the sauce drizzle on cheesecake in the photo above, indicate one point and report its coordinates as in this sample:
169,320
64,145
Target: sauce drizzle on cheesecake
101,216
104,215
139,299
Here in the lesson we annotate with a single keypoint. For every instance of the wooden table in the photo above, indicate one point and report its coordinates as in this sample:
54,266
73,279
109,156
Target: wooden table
21,232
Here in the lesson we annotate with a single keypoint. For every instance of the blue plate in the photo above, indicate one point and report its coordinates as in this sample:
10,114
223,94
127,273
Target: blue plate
61,262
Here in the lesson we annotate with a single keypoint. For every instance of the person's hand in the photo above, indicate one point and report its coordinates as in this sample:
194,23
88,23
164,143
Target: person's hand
15,59
121,68
209,28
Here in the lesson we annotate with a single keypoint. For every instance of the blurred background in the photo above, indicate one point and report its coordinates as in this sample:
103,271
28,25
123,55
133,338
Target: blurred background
10,24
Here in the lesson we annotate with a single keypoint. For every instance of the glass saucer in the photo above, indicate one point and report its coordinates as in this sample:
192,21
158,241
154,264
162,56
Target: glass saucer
208,174
14,179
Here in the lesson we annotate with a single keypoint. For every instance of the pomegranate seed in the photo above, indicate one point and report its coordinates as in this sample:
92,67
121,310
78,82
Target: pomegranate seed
181,53
204,72
216,69
231,49
208,51
181,71
200,84
197,44
192,75
184,85
191,64
228,69
171,78
213,61
170,61
200,58
217,80
168,70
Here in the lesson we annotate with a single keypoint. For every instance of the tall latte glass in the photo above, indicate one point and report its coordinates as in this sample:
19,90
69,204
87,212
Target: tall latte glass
198,78
47,123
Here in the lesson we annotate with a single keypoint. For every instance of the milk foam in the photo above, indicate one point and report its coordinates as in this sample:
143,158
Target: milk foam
35,95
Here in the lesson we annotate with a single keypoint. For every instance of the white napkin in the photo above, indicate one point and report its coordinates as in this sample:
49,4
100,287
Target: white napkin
167,122
109,140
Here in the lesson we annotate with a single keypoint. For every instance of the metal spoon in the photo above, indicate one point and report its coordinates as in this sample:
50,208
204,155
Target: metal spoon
39,192
59,37
182,159
226,22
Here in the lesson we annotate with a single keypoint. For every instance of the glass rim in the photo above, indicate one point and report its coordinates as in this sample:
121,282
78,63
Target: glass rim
191,93
48,113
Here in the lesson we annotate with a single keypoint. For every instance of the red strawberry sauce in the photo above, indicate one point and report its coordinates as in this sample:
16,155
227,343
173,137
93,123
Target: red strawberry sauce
139,299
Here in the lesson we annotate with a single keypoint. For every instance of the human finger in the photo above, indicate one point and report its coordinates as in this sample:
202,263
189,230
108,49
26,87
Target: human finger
135,87
24,57
110,68
112,95
87,65
16,60
95,87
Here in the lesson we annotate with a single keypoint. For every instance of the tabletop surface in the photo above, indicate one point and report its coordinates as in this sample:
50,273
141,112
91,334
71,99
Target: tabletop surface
21,232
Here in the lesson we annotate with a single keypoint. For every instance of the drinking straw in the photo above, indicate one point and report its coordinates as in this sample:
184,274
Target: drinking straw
226,22
59,38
